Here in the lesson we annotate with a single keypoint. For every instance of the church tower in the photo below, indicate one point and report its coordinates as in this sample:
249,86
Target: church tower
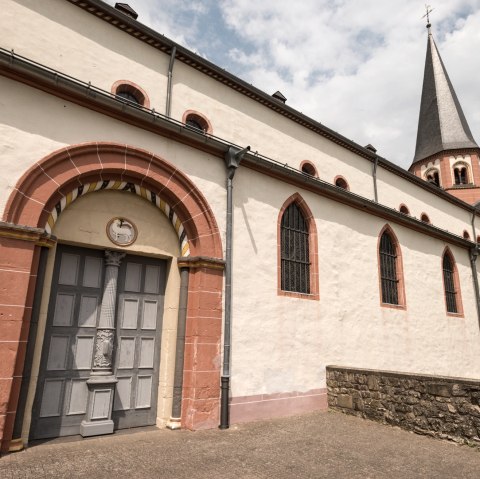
446,153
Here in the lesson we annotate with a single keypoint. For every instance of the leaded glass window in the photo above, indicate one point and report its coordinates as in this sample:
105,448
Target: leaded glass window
388,269
449,283
295,255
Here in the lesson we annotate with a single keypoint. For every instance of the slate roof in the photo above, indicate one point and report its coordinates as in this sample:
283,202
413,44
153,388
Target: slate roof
441,123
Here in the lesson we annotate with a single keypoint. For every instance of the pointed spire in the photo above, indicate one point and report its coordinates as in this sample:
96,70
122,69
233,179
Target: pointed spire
441,123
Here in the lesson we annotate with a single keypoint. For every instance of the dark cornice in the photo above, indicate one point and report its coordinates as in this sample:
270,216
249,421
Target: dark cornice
50,81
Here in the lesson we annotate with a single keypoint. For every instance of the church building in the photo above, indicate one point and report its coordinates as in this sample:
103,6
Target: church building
179,248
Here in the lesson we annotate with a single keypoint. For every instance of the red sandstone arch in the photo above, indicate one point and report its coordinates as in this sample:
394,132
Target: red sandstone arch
47,181
30,204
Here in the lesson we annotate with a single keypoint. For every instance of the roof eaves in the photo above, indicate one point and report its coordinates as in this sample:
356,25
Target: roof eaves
61,85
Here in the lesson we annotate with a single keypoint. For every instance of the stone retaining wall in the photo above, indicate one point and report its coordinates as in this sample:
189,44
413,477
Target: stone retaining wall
443,407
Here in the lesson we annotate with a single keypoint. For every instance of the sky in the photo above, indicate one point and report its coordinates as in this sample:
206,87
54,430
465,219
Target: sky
354,65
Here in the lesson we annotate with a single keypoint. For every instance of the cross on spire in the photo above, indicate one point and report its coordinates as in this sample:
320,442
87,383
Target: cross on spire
428,10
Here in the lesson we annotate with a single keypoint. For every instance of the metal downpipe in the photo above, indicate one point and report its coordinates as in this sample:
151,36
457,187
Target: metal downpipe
375,191
474,214
233,157
473,262
169,82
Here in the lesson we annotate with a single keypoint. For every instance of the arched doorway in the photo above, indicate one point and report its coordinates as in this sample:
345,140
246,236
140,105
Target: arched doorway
52,185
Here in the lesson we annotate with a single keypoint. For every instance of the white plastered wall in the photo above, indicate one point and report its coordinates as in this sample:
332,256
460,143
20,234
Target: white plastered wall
30,134
394,190
68,39
83,224
347,325
92,50
283,344
244,121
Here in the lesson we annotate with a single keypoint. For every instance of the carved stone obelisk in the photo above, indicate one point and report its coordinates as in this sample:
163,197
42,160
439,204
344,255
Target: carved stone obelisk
101,384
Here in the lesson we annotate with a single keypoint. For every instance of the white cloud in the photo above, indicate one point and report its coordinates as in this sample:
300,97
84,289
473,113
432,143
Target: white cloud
355,66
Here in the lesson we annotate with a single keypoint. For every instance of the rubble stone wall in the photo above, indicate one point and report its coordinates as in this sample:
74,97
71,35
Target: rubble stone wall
443,407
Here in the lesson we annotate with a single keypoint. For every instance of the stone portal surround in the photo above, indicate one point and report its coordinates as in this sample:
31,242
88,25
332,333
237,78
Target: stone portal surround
22,234
437,406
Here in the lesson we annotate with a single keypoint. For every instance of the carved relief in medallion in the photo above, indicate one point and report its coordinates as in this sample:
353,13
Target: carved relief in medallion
121,231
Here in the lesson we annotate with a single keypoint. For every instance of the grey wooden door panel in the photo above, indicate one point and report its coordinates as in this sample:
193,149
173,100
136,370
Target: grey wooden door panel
77,399
88,314
64,308
75,301
139,325
60,401
52,397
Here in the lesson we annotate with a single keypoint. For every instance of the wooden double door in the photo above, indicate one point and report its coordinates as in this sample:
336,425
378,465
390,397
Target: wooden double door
69,344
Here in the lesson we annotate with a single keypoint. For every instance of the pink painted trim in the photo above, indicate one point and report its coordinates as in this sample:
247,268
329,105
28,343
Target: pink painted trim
456,282
268,406
341,178
313,247
198,116
311,165
399,264
134,89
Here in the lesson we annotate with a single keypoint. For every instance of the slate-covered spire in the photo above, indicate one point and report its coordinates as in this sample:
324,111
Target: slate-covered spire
441,124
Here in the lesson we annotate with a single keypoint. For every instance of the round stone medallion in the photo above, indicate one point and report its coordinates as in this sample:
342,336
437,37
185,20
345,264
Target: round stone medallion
121,231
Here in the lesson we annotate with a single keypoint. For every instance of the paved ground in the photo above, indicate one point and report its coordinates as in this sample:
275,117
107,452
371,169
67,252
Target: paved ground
319,445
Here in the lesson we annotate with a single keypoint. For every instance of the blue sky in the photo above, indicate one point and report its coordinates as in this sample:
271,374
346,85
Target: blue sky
354,65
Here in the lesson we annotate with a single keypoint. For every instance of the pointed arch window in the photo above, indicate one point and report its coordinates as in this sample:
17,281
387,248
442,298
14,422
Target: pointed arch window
297,250
391,271
453,300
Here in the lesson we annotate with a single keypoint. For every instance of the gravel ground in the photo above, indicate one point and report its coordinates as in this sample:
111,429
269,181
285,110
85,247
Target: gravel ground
317,445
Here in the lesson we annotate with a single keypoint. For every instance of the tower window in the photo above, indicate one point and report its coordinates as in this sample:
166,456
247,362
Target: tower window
433,177
461,175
